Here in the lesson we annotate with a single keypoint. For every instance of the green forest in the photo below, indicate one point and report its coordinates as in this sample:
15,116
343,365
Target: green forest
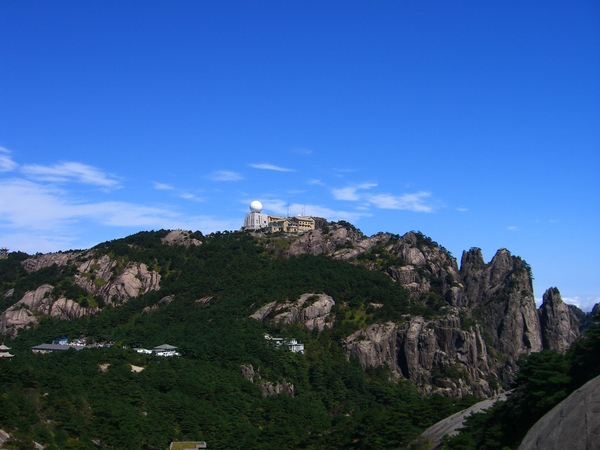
91,398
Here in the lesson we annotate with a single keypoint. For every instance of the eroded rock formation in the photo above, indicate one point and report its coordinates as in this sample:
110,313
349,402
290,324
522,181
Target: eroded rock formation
312,310
26,311
558,323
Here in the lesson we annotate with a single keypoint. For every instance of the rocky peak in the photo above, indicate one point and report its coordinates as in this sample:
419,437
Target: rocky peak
558,324
180,237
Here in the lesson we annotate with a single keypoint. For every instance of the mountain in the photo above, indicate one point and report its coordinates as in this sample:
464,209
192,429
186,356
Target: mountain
466,329
396,336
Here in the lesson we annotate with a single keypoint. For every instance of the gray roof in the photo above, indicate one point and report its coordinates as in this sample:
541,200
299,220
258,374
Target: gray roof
165,348
57,347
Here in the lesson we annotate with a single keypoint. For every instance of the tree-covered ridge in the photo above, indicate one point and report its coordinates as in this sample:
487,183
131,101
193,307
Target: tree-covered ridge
92,398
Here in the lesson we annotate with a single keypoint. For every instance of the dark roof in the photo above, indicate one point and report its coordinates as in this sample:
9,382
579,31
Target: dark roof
57,347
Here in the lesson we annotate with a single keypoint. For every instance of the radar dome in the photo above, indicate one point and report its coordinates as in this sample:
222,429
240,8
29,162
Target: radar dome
256,206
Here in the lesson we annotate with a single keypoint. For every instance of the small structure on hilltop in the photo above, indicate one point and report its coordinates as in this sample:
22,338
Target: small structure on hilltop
3,253
257,220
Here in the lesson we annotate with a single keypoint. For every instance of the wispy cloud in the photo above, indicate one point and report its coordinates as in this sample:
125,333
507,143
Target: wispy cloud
271,167
410,202
37,217
351,193
584,303
462,209
512,228
188,196
6,162
70,172
280,207
314,182
162,186
225,175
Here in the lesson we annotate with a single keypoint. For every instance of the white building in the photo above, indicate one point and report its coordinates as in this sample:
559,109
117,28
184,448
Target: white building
256,219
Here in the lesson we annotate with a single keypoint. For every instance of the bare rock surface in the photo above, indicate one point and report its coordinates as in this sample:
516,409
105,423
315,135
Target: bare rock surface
437,355
25,312
40,261
451,425
269,388
180,237
96,276
312,310
573,424
558,325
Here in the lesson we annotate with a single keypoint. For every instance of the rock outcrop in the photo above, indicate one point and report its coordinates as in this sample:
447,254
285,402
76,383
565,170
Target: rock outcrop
558,323
312,310
101,277
26,311
41,261
500,296
267,388
574,423
437,355
181,237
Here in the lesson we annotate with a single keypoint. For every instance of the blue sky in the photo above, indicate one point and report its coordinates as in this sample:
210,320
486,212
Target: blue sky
476,123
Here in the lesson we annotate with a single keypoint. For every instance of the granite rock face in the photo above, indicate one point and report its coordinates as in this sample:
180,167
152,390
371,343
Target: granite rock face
574,423
181,237
500,296
100,277
25,312
558,323
103,277
437,355
46,260
312,310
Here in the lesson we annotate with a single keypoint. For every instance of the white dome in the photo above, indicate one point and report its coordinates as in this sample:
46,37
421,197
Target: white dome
256,206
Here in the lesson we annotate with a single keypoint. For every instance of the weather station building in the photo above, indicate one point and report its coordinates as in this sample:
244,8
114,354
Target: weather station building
256,220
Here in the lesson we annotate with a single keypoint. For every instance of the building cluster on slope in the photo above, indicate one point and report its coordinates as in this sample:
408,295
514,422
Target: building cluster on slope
63,344
257,220
291,344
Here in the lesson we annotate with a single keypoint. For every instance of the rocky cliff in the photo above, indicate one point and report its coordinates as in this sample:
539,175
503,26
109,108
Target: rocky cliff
558,322
109,281
487,315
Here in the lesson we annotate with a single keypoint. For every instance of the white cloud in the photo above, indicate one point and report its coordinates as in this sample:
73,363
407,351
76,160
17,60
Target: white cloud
280,207
225,175
512,228
584,303
6,162
410,202
271,167
36,217
162,186
462,209
351,193
347,193
188,196
70,171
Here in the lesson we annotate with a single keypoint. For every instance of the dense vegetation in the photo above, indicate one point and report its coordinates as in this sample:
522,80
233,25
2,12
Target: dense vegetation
91,398
544,380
